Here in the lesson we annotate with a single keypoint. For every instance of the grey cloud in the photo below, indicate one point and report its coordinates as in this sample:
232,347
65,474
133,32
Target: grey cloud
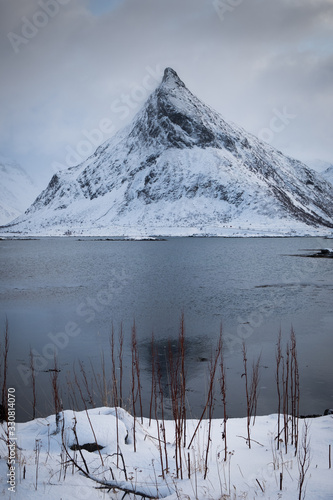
264,54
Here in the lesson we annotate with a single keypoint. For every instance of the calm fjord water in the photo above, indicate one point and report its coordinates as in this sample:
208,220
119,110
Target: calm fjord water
67,293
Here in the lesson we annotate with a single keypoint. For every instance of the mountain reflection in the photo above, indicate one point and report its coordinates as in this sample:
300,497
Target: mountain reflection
164,356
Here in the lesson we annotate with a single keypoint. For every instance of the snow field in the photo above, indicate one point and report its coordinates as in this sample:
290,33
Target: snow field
247,473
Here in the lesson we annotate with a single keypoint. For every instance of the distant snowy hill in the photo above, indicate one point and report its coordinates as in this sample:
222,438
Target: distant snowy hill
325,168
180,168
319,165
328,173
17,190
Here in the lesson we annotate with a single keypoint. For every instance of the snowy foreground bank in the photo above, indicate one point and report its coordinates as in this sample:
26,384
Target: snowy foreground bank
43,467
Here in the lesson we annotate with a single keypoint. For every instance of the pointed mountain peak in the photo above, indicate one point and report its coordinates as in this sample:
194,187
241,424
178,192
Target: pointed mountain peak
170,77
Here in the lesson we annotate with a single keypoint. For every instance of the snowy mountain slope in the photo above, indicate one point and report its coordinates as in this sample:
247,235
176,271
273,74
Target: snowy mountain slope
17,190
179,166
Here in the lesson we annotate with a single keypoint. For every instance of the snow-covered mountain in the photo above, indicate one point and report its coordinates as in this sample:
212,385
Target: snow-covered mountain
17,190
325,168
180,168
318,165
328,173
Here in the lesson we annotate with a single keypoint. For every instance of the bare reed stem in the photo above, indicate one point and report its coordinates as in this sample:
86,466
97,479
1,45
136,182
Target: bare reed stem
303,460
248,400
134,394
159,375
120,357
223,394
278,358
153,382
115,401
55,391
251,390
33,380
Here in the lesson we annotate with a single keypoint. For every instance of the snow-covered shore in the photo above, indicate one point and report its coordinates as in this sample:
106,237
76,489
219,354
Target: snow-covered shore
132,232
42,468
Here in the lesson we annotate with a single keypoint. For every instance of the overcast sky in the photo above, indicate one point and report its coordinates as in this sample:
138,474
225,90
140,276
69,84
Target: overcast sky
69,67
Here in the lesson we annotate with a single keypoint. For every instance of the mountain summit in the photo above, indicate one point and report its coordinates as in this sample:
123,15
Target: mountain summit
180,168
170,76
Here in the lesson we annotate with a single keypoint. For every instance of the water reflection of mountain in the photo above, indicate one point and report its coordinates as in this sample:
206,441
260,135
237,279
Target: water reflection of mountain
168,354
